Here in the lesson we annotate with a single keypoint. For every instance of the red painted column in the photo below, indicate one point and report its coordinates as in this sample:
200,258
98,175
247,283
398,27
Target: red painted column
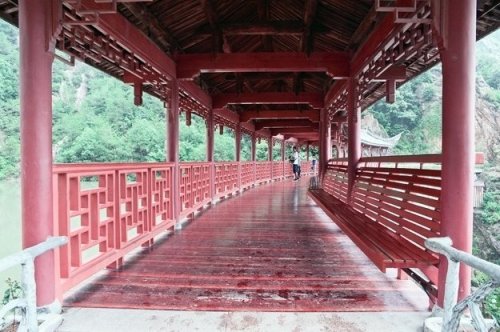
458,58
325,138
237,136
36,139
254,146
283,150
270,148
173,145
322,154
354,138
237,155
210,151
307,151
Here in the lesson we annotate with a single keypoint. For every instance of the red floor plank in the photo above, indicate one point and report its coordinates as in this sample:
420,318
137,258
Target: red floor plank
270,249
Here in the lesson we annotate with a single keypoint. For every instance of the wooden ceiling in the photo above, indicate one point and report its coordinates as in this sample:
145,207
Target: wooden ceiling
266,28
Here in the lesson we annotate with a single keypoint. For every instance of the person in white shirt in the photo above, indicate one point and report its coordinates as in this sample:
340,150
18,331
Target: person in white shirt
296,163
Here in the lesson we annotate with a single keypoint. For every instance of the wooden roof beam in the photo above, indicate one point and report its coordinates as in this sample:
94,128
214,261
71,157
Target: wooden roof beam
220,44
312,115
284,124
307,36
124,32
160,32
335,64
313,99
299,130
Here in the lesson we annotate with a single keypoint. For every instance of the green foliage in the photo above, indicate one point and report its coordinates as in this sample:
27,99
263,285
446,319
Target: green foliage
224,145
13,291
492,301
192,145
490,210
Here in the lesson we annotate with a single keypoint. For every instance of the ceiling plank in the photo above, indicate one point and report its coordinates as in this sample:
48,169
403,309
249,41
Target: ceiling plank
313,99
336,64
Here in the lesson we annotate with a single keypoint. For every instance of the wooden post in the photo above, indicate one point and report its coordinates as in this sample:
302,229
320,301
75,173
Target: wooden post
210,152
173,146
354,138
36,139
458,56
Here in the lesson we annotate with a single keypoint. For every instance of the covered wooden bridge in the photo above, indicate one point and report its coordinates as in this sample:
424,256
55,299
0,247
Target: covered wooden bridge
273,70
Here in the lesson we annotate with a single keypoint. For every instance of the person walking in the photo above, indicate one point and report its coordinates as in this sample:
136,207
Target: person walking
296,163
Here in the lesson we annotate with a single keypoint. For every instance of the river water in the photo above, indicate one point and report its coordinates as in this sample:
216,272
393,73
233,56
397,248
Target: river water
10,227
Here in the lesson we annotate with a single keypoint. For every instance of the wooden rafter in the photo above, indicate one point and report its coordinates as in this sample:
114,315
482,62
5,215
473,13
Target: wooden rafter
307,36
220,44
161,34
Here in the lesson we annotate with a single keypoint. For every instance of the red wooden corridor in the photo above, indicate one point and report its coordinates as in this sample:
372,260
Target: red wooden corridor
269,249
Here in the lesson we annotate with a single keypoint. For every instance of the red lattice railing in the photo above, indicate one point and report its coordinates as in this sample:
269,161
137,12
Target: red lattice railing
263,171
106,210
277,169
226,177
247,173
194,186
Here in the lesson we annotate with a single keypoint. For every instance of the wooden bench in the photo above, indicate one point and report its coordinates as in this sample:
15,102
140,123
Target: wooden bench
391,213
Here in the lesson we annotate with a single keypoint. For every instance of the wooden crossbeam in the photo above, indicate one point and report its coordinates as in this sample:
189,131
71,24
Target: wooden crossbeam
313,99
334,64
284,124
312,115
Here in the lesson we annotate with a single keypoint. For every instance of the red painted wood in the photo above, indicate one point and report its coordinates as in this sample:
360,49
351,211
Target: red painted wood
36,139
314,99
269,249
190,65
458,133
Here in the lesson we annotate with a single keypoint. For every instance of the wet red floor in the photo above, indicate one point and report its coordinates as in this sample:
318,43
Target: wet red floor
270,249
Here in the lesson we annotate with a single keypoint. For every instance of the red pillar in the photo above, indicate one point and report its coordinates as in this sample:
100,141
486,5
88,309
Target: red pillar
173,144
458,58
270,148
237,136
325,138
322,155
36,139
210,151
283,150
354,138
237,155
254,146
307,151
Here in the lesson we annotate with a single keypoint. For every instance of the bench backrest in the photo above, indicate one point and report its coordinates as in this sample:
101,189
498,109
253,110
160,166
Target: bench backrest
335,179
404,199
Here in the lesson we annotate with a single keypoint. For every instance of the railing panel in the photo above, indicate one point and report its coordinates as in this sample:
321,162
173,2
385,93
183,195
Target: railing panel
106,210
86,208
247,173
194,185
226,177
278,171
161,196
263,171
133,204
